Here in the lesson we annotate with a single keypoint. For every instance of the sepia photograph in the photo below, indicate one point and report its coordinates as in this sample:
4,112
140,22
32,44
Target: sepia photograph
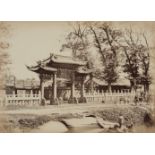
77,77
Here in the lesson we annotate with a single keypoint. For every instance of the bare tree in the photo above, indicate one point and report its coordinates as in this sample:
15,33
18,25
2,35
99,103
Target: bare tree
145,63
105,40
4,45
77,41
131,65
137,58
110,42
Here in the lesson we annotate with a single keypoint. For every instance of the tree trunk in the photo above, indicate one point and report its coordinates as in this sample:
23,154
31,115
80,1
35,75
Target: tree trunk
146,87
109,88
133,85
91,84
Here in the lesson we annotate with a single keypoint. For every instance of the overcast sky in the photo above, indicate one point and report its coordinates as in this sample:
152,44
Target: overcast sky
33,41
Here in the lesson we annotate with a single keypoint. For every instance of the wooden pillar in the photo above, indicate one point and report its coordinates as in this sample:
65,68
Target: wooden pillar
82,88
42,89
24,93
72,96
82,97
54,89
73,86
31,93
54,85
91,84
13,92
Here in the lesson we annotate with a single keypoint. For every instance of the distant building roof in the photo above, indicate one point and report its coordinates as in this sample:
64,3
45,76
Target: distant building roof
11,81
30,83
99,82
27,84
120,82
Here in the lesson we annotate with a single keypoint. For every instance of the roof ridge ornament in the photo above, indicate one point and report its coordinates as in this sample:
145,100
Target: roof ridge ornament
42,64
39,62
51,55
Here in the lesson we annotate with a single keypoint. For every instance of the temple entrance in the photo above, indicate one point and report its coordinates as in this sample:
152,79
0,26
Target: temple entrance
61,70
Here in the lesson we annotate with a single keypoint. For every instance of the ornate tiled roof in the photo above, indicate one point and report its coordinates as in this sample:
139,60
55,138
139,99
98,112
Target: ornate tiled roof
45,66
41,69
64,60
84,70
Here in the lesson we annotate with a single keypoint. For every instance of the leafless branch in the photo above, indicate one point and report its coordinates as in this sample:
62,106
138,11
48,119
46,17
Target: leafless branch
98,43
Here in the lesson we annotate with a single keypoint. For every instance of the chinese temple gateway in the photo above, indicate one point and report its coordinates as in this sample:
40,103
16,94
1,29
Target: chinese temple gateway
67,68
